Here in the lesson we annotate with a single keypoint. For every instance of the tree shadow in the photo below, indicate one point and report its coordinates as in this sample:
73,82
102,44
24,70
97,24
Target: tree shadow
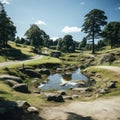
74,116
9,110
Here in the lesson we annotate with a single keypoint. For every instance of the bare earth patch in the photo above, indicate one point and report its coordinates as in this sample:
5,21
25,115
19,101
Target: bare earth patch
101,109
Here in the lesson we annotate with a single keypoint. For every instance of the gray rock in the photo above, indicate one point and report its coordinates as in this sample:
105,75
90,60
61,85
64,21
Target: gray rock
62,92
112,84
103,91
23,104
21,88
32,110
67,98
54,97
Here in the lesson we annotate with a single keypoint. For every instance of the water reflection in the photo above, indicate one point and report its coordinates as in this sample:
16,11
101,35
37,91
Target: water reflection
61,81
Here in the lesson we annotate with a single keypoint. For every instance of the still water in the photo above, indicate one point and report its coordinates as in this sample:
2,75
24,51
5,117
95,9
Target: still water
56,81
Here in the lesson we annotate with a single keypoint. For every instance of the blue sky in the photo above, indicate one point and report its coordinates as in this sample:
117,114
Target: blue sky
57,17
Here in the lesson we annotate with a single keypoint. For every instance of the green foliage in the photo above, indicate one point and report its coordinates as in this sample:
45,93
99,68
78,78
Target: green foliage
111,34
37,37
92,25
66,44
7,28
82,44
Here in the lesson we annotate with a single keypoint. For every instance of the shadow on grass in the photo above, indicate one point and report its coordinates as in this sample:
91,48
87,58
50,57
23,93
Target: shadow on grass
9,110
13,54
73,116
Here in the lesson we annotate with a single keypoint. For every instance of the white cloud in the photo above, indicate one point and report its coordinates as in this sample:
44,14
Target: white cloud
40,22
68,29
119,8
82,3
54,38
5,1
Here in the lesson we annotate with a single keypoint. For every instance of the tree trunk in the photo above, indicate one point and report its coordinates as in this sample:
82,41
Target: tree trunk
93,45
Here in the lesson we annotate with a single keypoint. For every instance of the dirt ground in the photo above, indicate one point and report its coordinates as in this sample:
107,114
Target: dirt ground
101,109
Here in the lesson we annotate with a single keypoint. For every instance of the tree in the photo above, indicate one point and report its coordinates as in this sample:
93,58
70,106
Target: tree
34,35
92,25
82,44
67,44
111,34
7,28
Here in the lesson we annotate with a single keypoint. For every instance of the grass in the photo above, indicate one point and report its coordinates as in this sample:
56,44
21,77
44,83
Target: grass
106,77
8,93
16,52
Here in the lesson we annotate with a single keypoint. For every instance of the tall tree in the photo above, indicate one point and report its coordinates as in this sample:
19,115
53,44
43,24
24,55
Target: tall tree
111,34
92,25
34,35
7,28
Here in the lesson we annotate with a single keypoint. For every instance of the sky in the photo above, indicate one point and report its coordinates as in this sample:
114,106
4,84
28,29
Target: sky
57,17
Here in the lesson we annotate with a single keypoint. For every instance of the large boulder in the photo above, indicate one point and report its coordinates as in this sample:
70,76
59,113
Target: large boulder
31,73
21,88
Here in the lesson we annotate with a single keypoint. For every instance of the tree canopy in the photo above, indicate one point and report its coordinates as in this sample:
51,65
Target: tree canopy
7,28
66,44
92,25
111,34
36,36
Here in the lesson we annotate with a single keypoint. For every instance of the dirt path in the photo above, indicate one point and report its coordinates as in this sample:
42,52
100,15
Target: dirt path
102,109
20,61
112,68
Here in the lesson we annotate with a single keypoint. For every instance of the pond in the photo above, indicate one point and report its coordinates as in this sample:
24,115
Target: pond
59,82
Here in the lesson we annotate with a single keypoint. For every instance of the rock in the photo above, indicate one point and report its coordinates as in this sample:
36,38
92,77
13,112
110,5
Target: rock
21,88
112,84
103,91
10,77
89,89
11,83
62,92
44,71
31,73
54,97
23,104
55,54
59,70
67,97
88,95
79,89
75,96
32,110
